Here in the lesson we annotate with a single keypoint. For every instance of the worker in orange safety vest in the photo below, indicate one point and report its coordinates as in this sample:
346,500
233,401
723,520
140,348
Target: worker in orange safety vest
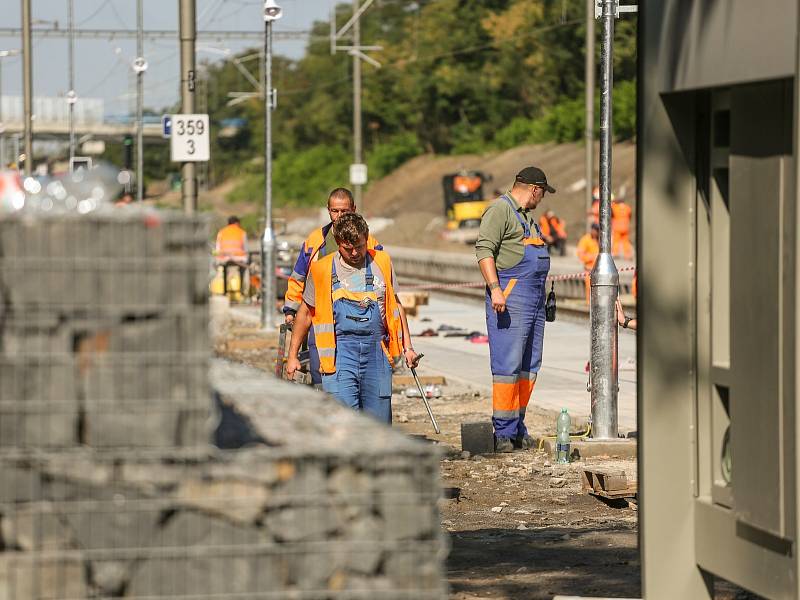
554,232
620,229
318,244
231,248
588,250
350,300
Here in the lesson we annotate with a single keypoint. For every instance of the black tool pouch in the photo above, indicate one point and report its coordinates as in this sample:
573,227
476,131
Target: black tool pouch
550,304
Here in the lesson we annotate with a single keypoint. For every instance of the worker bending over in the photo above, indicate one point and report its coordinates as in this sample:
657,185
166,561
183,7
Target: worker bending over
358,321
318,244
514,262
231,249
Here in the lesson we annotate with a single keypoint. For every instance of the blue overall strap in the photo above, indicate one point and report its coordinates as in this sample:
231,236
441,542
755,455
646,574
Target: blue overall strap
369,278
522,221
335,283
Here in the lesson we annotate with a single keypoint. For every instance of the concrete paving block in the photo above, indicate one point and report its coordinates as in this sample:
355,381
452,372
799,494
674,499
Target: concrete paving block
53,425
24,575
150,425
477,438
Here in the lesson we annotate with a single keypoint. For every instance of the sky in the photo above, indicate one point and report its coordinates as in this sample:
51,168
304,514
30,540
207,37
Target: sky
102,66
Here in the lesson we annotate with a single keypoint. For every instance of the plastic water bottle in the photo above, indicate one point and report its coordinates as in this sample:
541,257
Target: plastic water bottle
562,437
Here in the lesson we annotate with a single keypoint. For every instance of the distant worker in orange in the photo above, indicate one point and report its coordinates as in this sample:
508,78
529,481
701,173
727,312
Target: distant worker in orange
231,249
587,251
620,229
594,212
554,232
465,183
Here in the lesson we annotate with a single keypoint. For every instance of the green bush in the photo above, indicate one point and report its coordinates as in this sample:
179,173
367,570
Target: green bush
386,157
565,121
298,178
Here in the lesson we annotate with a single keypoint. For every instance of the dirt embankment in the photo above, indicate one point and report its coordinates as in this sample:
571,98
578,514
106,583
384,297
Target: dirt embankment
412,194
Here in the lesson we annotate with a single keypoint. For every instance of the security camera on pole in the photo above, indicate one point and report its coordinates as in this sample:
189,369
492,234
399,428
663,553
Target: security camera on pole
272,12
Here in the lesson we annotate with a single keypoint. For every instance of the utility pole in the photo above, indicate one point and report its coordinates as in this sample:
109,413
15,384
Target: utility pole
188,34
357,136
272,12
589,129
3,163
72,97
139,67
605,277
27,84
358,171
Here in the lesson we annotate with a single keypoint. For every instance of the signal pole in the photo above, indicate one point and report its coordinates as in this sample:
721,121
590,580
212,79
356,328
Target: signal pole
27,84
72,97
357,135
589,128
188,35
139,67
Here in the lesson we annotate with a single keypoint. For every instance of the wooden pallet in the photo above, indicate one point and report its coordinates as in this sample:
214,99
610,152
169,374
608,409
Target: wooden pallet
609,484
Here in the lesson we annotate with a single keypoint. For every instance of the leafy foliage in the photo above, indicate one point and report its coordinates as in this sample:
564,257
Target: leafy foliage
457,76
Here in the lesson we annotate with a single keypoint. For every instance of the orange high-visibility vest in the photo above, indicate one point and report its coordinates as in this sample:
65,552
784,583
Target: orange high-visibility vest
544,226
587,251
620,217
309,253
560,227
322,312
231,242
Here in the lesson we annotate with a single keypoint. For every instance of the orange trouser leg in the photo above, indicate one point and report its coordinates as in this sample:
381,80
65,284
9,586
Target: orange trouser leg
588,281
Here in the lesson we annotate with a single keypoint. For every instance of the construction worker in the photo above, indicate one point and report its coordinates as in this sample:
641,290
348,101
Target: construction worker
620,229
588,249
350,299
514,262
554,232
124,200
231,249
595,210
318,244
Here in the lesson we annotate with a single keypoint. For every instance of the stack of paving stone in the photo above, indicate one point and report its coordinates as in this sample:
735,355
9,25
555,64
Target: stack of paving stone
103,330
113,480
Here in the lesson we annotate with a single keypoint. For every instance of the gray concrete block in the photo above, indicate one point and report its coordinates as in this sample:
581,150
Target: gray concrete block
477,438
149,425
24,575
51,425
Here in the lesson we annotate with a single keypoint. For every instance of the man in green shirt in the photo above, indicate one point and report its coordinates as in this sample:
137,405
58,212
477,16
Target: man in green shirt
514,262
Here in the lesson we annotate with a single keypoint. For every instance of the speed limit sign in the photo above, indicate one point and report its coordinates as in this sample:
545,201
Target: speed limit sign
189,141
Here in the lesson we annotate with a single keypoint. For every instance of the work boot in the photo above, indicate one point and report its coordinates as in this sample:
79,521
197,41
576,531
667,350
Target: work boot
503,444
524,442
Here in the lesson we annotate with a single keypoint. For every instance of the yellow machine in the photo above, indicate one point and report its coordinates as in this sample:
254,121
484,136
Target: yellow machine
464,200
217,285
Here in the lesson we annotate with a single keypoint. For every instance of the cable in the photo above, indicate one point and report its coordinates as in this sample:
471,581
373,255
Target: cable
95,13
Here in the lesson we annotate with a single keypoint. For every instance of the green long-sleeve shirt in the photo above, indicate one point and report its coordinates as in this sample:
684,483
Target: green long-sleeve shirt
500,235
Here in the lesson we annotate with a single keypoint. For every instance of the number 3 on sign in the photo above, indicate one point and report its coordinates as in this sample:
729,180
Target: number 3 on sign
190,138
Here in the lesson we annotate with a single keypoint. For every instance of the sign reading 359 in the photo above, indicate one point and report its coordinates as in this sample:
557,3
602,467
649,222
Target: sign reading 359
189,139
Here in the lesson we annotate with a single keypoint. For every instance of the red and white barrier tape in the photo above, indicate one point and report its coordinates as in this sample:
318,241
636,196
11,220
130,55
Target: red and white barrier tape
480,284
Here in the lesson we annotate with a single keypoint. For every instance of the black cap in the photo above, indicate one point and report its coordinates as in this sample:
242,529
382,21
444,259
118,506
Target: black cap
536,176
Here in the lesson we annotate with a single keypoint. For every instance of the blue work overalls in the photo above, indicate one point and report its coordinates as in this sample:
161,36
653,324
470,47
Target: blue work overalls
363,377
516,335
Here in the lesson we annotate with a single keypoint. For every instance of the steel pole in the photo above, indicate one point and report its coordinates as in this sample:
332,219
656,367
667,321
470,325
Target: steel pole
188,35
27,84
71,93
139,103
357,158
604,276
589,96
2,125
268,239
